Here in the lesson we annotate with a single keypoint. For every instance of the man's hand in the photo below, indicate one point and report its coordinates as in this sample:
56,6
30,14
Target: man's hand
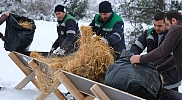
59,52
1,36
6,13
135,59
104,40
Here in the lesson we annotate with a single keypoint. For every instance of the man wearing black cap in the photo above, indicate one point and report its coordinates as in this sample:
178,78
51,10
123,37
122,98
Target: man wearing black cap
110,27
68,33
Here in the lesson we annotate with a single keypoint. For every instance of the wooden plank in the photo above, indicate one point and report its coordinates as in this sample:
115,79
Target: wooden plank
22,66
54,89
98,92
25,81
84,85
70,87
59,94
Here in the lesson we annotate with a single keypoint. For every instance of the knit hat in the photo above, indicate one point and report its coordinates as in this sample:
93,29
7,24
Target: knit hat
105,7
59,8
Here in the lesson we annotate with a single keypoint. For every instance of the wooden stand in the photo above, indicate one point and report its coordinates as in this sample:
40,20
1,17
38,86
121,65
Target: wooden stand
80,88
22,62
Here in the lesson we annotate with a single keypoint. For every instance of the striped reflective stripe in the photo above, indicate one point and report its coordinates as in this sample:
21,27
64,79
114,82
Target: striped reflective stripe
107,29
71,31
63,24
97,25
173,85
150,37
139,44
118,35
104,29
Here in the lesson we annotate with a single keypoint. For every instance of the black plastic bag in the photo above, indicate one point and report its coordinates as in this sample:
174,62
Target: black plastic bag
18,38
142,80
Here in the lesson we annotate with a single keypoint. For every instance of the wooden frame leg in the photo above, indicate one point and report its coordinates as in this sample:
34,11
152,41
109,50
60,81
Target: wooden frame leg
70,87
25,81
96,90
23,68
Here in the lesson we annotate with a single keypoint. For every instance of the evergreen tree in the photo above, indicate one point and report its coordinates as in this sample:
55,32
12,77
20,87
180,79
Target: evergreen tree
138,12
76,8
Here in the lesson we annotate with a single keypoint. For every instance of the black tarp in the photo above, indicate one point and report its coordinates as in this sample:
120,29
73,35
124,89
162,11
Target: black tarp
142,80
18,38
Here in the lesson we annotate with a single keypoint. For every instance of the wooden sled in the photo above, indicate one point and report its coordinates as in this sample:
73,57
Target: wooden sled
76,85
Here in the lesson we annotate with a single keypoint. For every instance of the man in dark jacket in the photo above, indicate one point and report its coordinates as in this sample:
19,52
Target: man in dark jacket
110,27
171,43
68,33
3,18
151,39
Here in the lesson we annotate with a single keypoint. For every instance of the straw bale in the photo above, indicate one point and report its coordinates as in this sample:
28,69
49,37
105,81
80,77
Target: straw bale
90,61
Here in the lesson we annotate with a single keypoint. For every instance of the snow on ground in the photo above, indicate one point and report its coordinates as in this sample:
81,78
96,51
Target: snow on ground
11,75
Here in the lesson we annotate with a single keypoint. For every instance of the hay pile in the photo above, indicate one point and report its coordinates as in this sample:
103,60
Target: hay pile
25,24
90,61
92,58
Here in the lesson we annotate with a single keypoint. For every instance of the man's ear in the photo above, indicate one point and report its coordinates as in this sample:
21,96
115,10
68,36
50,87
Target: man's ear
174,21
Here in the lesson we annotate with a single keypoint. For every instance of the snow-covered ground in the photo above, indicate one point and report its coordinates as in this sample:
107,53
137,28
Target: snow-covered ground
11,75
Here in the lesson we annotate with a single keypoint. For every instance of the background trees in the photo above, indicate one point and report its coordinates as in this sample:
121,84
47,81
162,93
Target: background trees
135,12
138,12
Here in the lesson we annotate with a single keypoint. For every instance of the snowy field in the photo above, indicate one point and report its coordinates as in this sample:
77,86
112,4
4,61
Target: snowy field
10,74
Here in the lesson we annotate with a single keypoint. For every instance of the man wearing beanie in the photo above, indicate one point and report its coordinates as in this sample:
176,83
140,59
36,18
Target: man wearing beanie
68,33
110,27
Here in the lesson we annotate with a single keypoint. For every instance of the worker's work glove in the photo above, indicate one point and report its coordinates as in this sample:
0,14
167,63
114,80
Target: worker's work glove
104,40
59,52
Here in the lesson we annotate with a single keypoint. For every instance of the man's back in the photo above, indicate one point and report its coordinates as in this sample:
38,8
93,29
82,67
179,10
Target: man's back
170,77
